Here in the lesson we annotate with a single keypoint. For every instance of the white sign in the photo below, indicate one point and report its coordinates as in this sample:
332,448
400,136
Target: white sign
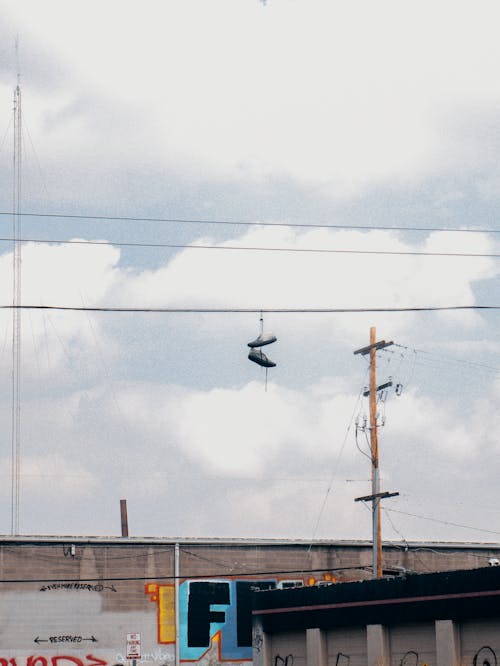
133,646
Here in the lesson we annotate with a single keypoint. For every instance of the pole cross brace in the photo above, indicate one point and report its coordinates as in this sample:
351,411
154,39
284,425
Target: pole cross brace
370,498
378,345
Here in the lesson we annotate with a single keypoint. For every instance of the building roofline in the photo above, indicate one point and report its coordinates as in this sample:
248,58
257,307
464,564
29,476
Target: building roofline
242,541
460,594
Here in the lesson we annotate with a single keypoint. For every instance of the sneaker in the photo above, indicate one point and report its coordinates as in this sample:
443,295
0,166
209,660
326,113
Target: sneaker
258,356
263,339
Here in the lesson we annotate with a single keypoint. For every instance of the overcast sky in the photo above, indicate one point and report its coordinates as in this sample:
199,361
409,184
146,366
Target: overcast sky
320,117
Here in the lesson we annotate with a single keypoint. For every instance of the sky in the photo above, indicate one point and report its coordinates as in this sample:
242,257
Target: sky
169,141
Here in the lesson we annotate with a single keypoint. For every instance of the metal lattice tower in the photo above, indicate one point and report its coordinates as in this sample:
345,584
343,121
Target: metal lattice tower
16,313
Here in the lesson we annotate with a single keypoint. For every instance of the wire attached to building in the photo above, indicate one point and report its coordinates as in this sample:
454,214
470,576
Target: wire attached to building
444,522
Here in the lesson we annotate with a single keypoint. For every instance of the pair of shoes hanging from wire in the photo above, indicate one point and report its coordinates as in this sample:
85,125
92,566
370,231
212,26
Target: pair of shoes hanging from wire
256,354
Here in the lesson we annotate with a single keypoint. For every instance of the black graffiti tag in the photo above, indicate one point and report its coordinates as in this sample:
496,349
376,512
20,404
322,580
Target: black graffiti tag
98,587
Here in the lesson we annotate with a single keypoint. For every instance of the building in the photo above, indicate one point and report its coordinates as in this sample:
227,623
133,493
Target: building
439,619
81,601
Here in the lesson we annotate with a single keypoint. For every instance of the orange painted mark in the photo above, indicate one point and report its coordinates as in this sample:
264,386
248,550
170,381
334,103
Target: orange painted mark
152,590
164,596
214,654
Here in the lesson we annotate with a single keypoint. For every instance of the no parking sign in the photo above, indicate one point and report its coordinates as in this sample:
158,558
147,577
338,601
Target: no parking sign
133,646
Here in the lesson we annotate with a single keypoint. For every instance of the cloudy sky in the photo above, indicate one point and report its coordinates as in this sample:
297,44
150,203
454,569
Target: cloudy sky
215,127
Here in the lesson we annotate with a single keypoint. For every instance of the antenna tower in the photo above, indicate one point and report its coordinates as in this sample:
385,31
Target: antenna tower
16,302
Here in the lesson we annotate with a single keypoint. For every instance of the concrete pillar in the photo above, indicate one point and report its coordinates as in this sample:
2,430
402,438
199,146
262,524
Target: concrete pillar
447,643
377,645
261,647
316,650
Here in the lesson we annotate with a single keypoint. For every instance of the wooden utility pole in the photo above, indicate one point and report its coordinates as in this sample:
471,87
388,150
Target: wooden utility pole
376,495
377,532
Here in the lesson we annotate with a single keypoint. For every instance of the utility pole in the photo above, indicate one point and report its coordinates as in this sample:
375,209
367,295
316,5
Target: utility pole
376,495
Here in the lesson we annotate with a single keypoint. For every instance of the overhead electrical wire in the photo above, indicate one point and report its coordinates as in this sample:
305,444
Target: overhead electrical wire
336,464
440,359
243,223
111,579
247,248
432,361
444,522
433,364
400,534
214,310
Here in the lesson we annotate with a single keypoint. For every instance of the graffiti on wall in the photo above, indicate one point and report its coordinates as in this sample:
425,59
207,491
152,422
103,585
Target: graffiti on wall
98,587
59,660
64,639
342,659
283,661
213,614
485,657
215,624
409,659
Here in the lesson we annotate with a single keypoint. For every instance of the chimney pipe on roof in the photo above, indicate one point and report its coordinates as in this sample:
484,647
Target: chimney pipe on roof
123,513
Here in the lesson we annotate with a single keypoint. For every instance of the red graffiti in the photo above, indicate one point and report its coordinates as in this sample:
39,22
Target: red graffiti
75,660
58,660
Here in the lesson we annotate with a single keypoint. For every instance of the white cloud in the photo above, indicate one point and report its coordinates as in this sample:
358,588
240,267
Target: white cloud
148,108
89,275
68,479
268,456
59,275
327,93
243,431
203,278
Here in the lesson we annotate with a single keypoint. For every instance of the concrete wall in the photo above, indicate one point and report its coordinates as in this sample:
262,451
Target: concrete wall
73,602
441,643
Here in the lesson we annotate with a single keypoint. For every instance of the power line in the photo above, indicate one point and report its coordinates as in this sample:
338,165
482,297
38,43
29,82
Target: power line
444,522
208,310
243,223
441,359
337,462
232,574
247,248
428,359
